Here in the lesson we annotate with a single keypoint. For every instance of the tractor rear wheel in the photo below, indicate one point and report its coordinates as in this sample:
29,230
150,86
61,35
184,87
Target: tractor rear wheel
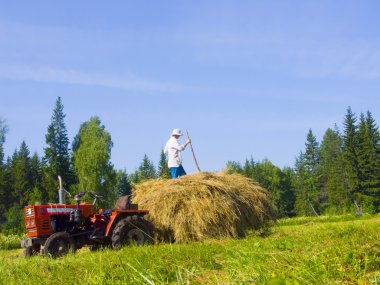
32,250
59,244
129,231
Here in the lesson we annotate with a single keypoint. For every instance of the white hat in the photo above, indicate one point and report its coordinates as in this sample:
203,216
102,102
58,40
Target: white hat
176,132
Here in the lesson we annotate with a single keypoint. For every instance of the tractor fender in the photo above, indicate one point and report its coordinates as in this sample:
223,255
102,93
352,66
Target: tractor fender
118,215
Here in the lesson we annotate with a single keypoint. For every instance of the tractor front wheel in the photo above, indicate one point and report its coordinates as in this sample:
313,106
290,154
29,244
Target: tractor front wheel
32,250
128,231
59,244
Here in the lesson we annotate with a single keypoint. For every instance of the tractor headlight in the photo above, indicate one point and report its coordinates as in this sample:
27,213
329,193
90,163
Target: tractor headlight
30,222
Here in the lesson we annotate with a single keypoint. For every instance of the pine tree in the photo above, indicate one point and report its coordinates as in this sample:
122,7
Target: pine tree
311,164
21,174
8,182
35,170
311,153
146,169
287,198
163,170
57,158
301,202
3,132
3,189
350,145
307,193
248,167
135,177
331,172
16,186
123,184
36,193
144,172
368,153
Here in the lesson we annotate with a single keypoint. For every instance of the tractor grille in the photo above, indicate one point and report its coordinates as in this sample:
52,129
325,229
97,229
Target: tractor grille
45,224
29,212
32,230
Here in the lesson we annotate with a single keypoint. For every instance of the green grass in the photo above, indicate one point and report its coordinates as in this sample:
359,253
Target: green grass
323,219
9,241
314,251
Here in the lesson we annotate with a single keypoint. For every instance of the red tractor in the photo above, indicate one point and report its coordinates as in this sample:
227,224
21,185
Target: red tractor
57,229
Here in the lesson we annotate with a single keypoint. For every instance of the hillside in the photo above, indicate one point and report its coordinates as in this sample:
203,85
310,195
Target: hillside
338,250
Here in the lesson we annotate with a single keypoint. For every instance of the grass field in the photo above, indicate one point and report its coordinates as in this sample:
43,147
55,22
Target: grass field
334,250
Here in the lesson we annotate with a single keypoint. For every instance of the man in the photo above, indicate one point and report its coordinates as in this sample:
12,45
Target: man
173,152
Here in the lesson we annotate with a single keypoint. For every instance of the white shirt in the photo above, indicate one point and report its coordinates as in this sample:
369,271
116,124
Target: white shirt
173,152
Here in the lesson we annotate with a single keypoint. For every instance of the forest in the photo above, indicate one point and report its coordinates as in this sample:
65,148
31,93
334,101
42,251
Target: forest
339,175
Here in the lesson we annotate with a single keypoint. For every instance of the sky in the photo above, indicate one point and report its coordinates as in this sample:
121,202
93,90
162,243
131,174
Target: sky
245,78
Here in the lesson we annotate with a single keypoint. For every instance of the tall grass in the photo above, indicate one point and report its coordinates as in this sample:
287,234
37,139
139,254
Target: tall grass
9,241
323,219
339,252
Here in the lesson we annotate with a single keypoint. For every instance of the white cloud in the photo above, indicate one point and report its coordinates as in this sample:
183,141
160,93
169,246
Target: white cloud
357,61
325,56
302,56
71,76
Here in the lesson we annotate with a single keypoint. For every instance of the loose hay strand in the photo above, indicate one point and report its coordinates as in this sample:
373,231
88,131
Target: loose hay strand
204,205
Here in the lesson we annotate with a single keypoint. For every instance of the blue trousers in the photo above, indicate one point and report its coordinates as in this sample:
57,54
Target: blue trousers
177,171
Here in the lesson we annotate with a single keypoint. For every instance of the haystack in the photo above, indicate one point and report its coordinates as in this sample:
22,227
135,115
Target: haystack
204,205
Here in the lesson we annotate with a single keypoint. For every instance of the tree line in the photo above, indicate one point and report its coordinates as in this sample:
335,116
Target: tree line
339,175
27,178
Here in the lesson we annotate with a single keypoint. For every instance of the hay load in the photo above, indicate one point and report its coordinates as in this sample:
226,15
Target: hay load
204,205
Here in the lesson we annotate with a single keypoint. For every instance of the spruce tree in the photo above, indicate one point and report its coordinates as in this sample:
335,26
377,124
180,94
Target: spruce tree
311,164
123,185
331,172
248,168
368,153
35,170
21,174
311,153
350,146
36,193
8,182
146,169
134,177
301,202
307,193
163,170
16,185
3,132
288,194
57,158
3,189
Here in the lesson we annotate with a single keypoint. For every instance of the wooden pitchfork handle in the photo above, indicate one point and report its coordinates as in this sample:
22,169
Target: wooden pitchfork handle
192,150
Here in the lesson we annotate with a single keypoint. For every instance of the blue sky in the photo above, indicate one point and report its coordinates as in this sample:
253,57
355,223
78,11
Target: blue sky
244,77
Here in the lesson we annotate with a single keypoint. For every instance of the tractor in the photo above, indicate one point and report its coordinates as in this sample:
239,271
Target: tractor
57,229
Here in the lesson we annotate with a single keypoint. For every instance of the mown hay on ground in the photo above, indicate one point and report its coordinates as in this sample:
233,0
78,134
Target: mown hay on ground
204,205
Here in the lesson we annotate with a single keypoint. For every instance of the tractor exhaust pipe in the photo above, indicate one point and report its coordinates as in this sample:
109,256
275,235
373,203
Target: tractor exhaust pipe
61,192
